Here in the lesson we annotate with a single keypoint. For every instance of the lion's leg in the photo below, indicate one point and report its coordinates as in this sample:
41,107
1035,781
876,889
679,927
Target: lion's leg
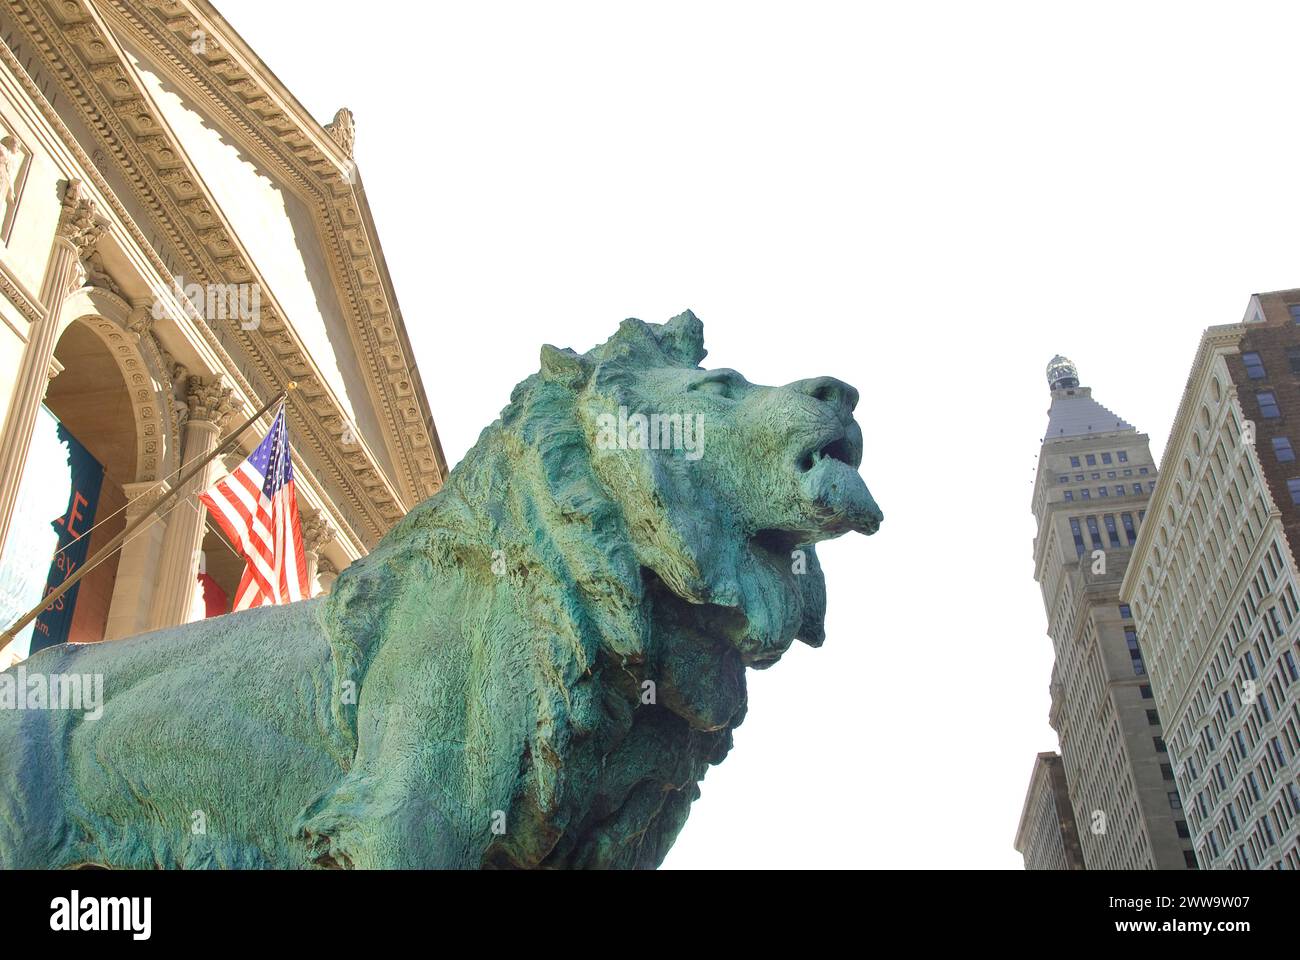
393,821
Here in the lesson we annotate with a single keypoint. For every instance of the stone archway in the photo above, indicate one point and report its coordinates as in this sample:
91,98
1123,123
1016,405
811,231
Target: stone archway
113,393
143,370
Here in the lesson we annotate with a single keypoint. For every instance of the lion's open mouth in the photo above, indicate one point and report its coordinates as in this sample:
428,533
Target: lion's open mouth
828,475
779,542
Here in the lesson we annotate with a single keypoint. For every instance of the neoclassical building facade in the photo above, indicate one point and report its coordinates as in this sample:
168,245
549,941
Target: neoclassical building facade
179,239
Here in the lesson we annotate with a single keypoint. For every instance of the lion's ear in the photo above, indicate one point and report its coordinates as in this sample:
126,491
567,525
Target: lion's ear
682,339
564,366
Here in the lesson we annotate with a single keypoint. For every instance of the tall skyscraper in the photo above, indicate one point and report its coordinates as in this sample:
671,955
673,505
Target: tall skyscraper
1214,586
1095,473
1048,837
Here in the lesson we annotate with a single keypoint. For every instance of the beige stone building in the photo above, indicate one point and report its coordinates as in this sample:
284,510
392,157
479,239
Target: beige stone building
1048,837
1215,590
179,239
1095,474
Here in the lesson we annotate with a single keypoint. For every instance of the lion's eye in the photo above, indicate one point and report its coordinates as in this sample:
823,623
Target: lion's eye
718,385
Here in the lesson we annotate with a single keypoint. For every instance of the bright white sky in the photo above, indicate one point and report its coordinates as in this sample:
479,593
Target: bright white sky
926,200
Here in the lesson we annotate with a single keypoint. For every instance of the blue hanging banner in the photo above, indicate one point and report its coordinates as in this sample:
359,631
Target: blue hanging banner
54,623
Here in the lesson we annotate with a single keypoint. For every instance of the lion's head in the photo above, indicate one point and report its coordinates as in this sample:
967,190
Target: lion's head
724,485
649,525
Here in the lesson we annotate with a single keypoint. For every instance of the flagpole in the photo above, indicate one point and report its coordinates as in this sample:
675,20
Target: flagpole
7,637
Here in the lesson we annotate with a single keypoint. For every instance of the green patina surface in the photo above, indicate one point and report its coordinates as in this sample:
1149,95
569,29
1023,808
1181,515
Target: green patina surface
533,669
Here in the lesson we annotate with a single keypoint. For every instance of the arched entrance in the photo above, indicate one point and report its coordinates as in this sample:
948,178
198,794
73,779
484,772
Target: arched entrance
101,439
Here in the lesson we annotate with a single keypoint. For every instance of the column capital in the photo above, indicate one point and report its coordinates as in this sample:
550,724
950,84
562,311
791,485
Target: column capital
142,495
140,320
77,223
316,533
208,399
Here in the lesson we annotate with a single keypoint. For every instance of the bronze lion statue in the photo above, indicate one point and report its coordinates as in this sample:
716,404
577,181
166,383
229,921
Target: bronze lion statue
534,668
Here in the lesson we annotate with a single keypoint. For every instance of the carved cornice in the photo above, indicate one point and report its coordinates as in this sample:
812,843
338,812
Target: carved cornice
120,114
281,136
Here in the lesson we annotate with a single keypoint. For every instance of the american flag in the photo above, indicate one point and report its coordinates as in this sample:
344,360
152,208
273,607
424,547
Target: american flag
257,507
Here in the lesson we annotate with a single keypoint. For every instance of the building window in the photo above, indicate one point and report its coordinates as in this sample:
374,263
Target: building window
1069,494
1145,690
1128,473
1062,479
1130,531
1105,458
1094,533
1153,718
1293,358
1282,449
1110,474
1142,471
1077,530
1074,462
1119,489
1078,478
1159,743
1103,492
1181,827
1123,456
1267,405
1085,494
1254,365
1295,311
1293,485
1111,533
1167,772
1125,611
1091,459
1134,651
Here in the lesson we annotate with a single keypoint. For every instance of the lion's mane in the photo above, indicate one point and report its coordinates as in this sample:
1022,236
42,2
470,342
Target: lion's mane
601,778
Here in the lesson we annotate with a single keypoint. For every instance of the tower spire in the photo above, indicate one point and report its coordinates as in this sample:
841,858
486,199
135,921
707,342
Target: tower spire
1062,373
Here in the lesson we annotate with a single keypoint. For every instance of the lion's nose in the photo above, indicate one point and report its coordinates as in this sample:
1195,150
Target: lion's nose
829,390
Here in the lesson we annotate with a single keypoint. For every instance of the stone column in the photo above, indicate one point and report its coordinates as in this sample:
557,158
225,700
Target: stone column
178,570
74,237
326,574
316,535
131,608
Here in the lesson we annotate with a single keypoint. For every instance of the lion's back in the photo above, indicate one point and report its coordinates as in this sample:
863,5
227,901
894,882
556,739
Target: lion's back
200,727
